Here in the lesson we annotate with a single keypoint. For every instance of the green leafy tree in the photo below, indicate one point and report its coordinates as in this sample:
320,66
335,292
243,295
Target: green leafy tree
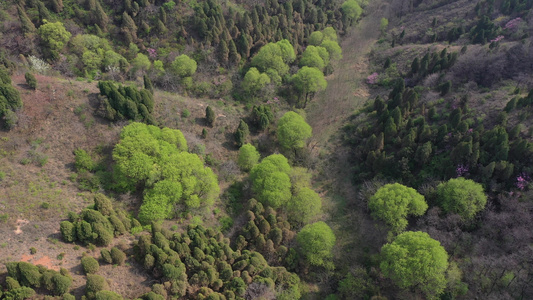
315,57
254,81
304,205
351,11
141,62
30,80
383,24
248,157
270,56
333,48
415,260
184,66
293,131
392,203
308,81
461,196
316,242
157,159
315,38
54,37
271,182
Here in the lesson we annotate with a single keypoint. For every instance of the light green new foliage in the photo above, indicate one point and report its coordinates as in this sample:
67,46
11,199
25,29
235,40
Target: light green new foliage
271,182
157,158
333,48
271,56
414,259
316,242
392,203
330,34
254,81
287,51
315,38
304,205
54,35
351,10
317,57
141,62
184,66
293,131
309,80
464,197
248,157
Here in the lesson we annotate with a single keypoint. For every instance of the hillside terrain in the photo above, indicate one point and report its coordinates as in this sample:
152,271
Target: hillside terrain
329,149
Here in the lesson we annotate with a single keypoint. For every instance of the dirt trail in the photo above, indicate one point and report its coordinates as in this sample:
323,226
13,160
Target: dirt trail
327,113
346,89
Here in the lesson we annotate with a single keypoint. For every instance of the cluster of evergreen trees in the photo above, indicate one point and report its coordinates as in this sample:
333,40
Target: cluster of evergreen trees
23,278
97,226
126,102
200,264
9,98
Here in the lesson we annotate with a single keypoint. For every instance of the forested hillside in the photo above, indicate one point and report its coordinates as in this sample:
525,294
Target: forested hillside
301,149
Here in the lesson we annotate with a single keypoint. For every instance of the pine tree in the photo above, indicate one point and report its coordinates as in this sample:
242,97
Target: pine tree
234,57
223,52
91,5
210,116
129,28
161,28
27,25
44,14
148,84
101,17
57,5
242,133
415,66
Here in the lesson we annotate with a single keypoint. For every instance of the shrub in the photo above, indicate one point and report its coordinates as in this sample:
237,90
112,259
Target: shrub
61,284
118,256
68,231
105,256
108,295
95,283
89,265
29,274
30,80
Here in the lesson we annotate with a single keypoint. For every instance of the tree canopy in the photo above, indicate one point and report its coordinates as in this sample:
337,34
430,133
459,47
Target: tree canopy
392,203
184,66
248,157
316,242
309,80
254,81
270,180
158,159
462,196
54,36
293,131
304,205
414,259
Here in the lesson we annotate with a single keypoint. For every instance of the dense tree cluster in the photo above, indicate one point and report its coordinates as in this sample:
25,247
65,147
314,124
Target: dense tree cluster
126,102
97,226
200,264
158,160
9,98
23,278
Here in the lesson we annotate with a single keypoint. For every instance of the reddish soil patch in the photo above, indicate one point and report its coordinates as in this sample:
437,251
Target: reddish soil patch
43,261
